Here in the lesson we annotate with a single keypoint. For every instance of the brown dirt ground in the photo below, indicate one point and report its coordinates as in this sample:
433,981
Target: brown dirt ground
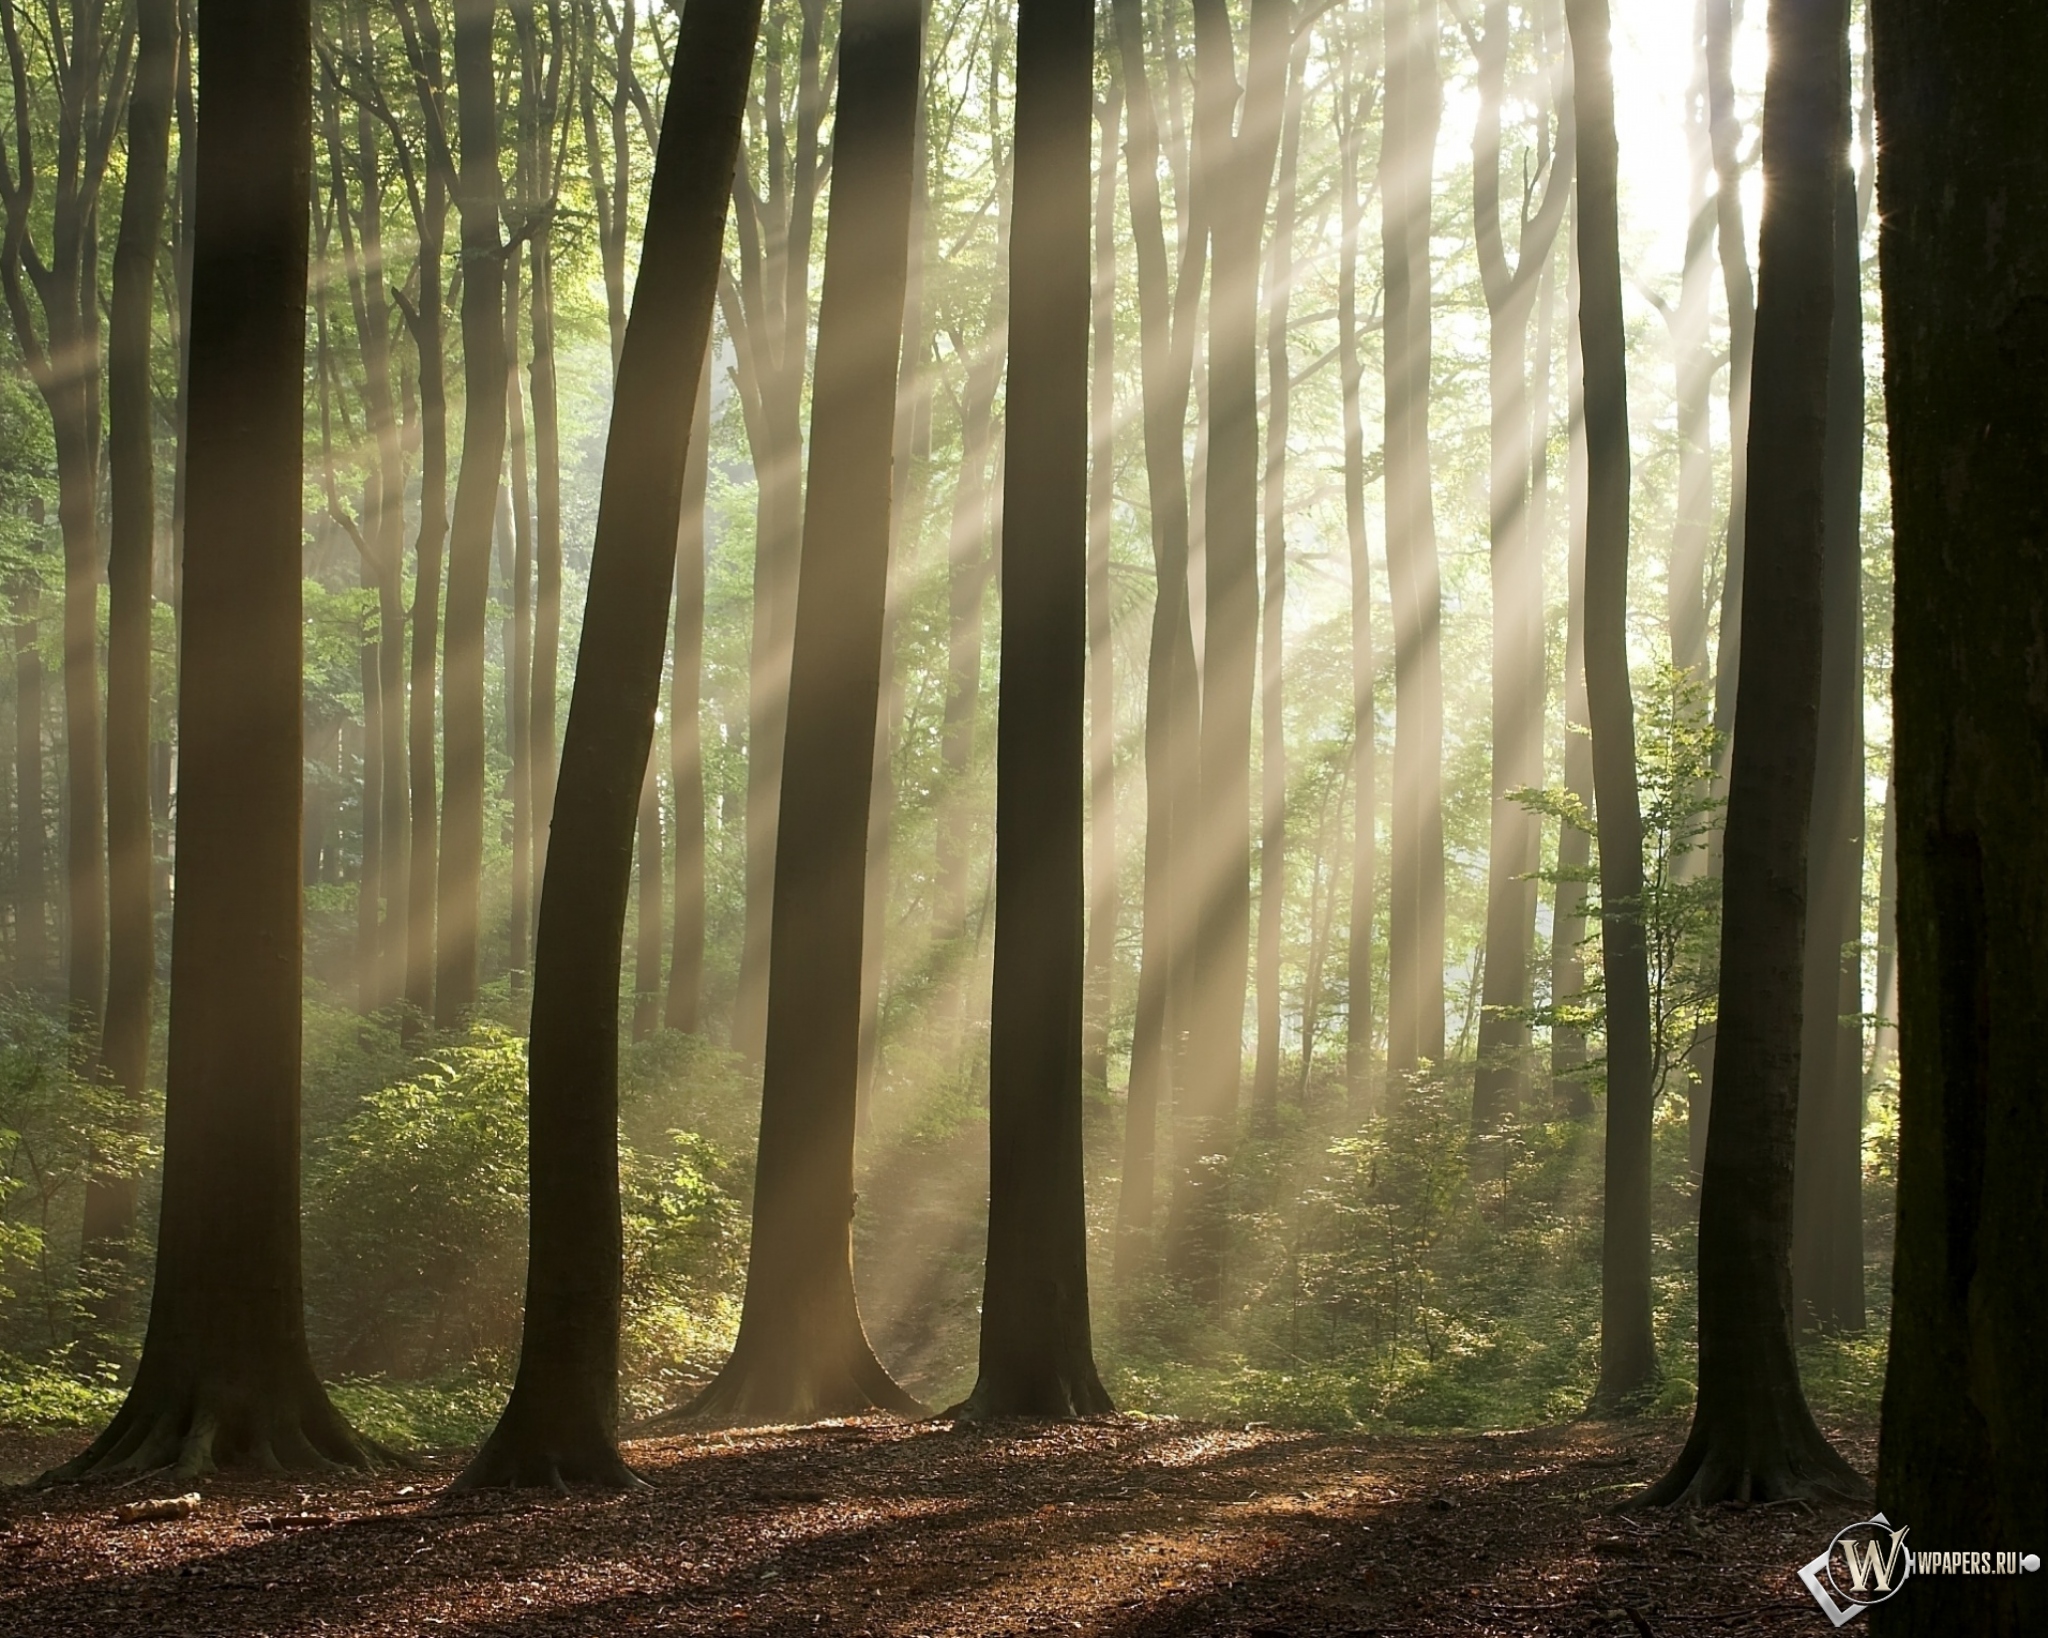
1123,1528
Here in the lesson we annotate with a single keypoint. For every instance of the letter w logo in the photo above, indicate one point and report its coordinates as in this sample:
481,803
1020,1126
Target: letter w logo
1871,1561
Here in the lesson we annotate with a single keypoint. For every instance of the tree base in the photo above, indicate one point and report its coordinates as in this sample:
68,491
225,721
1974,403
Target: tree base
193,1432
523,1453
763,1387
1771,1454
1038,1394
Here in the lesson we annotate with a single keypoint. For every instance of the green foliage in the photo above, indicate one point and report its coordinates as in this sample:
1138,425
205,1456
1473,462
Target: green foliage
1676,751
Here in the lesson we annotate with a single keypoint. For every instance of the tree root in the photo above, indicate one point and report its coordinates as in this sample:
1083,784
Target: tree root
521,1456
1721,1464
757,1392
193,1435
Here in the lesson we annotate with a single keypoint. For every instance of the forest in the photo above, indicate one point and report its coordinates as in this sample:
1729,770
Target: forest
926,816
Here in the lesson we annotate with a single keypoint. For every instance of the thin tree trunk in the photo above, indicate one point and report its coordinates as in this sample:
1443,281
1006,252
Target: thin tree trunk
1628,1350
561,1423
31,900
801,1351
478,194
225,1376
1501,1075
1036,1354
110,1197
519,651
1272,635
647,871
1753,1438
1574,841
1167,307
1414,105
1358,1024
1097,985
684,1007
547,540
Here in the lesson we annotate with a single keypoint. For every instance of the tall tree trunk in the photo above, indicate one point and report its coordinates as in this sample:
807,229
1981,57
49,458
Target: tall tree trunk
910,454
1358,1024
684,1007
1273,625
547,543
110,1197
1501,1075
519,650
1628,1351
561,1423
1574,841
478,194
1036,1354
1827,1184
801,1351
1167,307
1753,1438
427,323
770,322
225,1375
1238,168
1098,981
1414,106
1693,365
1963,201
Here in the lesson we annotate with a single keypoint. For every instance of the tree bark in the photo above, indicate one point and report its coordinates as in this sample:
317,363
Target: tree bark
479,192
647,872
1963,196
561,1423
110,1198
802,1352
1753,1438
1036,1354
1414,106
225,1376
31,894
1628,1351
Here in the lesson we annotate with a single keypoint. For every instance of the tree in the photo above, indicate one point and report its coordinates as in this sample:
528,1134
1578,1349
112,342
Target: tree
1167,306
1827,1179
1358,1032
1628,1352
561,1423
1036,1355
767,307
1963,197
1517,568
124,1039
1102,856
87,65
1237,170
1273,623
225,1375
682,1010
479,196
801,1351
1414,108
1753,1438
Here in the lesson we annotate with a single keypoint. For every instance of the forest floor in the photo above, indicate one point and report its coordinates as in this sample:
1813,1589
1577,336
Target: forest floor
1127,1527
